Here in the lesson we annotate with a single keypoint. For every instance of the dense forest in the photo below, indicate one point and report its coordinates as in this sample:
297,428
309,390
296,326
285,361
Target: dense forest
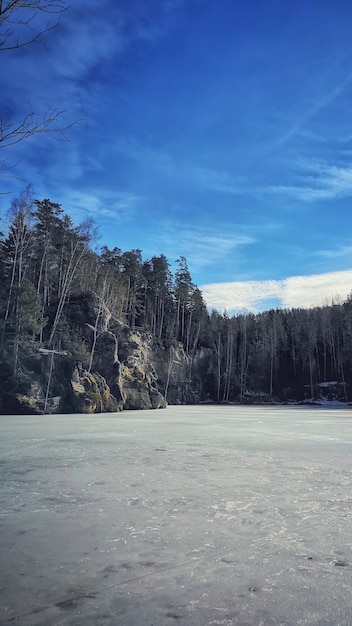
51,272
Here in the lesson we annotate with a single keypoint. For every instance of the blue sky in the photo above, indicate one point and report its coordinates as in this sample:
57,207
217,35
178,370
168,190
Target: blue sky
220,131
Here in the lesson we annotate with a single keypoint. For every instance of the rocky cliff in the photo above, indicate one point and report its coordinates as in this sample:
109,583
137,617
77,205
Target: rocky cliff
123,368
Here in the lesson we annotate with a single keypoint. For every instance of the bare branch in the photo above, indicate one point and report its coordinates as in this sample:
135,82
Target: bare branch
22,24
4,173
19,30
12,133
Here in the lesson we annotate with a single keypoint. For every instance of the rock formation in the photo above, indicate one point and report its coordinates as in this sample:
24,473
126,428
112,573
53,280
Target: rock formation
126,368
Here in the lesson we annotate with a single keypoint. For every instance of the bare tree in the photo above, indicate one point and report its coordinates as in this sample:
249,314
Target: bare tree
18,241
77,247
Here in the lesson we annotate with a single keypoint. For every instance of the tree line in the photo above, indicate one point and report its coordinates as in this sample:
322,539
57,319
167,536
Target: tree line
49,267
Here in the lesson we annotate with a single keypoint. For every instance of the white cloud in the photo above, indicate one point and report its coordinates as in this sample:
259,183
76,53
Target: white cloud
316,289
237,296
294,292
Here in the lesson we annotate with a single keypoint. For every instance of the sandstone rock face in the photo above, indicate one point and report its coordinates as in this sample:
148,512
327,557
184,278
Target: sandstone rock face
144,373
91,392
125,357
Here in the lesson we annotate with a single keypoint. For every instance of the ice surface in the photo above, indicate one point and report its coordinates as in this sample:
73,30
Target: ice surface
193,515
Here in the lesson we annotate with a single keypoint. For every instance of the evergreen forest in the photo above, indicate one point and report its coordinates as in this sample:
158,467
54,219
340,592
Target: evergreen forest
50,268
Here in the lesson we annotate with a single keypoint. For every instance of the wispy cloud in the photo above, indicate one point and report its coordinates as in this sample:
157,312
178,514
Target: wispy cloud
318,181
201,246
181,170
321,103
93,44
93,32
215,180
94,41
117,207
343,251
294,292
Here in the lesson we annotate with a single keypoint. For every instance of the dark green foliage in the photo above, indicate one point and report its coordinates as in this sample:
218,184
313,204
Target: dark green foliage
59,297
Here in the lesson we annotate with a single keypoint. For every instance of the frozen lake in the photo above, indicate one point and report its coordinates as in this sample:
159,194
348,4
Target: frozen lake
190,515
